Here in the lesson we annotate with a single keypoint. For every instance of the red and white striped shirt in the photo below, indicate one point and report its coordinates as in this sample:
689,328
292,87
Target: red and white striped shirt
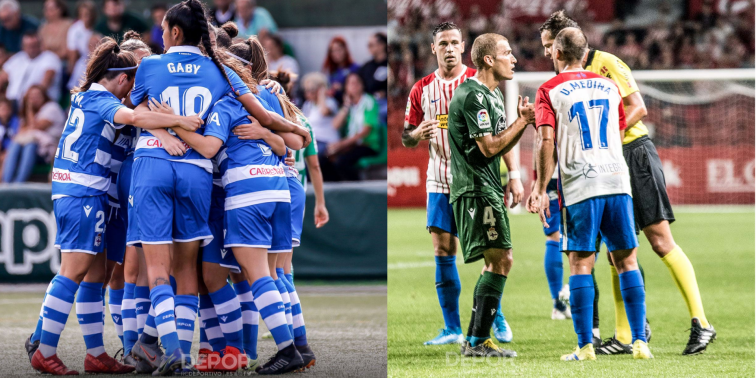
429,99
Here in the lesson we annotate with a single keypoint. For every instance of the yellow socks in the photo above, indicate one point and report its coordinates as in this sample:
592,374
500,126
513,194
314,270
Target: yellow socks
621,325
685,278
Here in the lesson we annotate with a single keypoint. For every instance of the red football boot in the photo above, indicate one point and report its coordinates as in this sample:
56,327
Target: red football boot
233,359
50,365
105,364
206,360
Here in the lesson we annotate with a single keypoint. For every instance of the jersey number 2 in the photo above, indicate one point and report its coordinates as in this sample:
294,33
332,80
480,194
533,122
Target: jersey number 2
578,109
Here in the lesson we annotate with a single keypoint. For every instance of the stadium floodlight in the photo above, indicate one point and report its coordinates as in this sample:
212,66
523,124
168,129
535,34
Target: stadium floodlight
701,121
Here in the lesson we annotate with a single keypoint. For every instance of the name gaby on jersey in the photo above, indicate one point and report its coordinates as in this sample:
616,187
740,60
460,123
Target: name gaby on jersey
188,68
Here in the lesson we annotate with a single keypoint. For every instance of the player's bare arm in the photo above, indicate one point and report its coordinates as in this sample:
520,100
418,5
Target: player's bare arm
514,186
545,165
503,142
412,135
635,108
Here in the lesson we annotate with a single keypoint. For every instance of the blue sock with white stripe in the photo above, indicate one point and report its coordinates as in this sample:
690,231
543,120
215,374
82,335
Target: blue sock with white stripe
270,304
204,344
250,318
128,314
38,330
165,318
149,333
582,292
104,289
208,317
142,305
290,277
228,309
634,296
448,288
55,310
115,298
286,299
186,315
299,333
552,263
89,313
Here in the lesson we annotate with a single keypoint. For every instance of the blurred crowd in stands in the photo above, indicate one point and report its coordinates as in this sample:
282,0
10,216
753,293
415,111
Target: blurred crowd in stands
665,39
42,60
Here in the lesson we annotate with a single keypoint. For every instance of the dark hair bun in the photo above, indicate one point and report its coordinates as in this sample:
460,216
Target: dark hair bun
131,34
282,77
116,48
231,29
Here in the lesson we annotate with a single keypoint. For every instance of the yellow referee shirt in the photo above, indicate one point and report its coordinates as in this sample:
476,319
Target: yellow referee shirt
614,68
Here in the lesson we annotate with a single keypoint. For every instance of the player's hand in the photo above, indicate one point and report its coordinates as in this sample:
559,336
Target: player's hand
525,110
289,160
251,130
160,107
272,85
335,147
426,130
514,187
190,123
173,146
321,215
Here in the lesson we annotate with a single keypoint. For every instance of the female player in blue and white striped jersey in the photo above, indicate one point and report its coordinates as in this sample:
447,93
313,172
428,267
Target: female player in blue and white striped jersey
251,53
171,196
80,183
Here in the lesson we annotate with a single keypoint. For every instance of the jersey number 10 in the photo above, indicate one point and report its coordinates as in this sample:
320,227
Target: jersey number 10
578,109
190,97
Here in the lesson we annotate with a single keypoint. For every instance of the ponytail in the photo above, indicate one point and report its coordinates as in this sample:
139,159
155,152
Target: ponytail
253,53
189,16
107,62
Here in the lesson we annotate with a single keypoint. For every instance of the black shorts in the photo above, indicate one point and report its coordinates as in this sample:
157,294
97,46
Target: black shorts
650,200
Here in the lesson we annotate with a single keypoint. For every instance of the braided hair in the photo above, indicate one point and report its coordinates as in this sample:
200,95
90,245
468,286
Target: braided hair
107,55
189,16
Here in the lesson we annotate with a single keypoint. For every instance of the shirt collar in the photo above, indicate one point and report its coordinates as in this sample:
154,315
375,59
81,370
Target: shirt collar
97,87
184,49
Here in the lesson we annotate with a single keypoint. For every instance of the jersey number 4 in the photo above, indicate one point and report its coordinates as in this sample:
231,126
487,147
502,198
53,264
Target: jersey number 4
578,109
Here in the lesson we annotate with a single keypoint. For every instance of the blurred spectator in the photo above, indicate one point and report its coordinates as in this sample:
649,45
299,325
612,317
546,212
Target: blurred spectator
358,117
157,12
42,122
80,32
274,46
55,28
9,124
79,68
374,73
337,66
253,20
706,17
13,25
117,21
477,22
222,12
320,108
31,66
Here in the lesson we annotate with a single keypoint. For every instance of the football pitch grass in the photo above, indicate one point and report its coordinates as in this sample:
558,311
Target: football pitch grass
346,328
719,245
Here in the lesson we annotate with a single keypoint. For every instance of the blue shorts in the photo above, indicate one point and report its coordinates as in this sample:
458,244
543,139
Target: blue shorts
440,213
556,216
265,225
609,216
214,252
297,210
81,223
171,202
115,238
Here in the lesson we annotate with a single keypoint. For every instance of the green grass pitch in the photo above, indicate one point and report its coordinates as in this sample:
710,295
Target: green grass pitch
720,246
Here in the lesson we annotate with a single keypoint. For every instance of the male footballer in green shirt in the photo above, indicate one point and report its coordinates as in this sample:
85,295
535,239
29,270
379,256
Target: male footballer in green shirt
478,136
